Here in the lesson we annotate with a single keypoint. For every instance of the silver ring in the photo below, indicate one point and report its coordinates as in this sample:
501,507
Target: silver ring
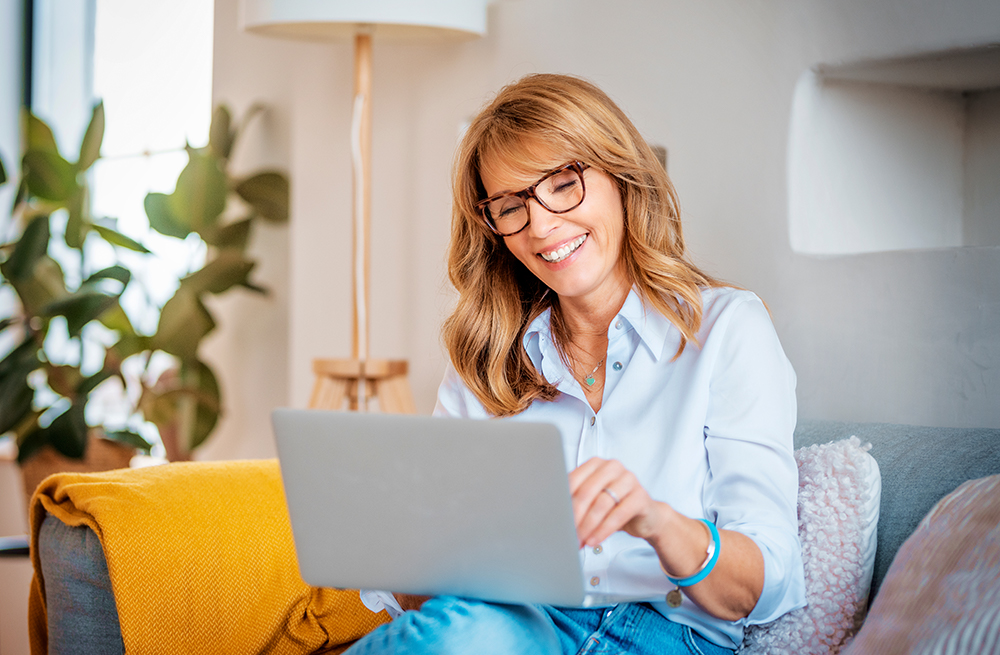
613,495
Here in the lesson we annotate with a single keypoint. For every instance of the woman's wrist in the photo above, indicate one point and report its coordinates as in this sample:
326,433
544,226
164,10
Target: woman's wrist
681,544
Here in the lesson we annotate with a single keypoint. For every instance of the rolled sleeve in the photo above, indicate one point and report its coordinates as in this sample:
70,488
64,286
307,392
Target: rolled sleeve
753,483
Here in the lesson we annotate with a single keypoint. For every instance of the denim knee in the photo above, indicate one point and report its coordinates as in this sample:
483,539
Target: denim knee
454,626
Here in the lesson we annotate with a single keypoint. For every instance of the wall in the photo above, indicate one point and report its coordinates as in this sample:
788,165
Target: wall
907,337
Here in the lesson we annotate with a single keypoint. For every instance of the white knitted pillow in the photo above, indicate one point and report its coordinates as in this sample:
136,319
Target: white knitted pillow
839,492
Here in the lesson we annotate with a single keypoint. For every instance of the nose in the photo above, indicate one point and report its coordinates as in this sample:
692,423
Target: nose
540,220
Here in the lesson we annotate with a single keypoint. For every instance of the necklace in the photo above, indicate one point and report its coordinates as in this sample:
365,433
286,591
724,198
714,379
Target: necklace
590,380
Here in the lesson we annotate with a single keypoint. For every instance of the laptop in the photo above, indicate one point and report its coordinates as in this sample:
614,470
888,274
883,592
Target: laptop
435,506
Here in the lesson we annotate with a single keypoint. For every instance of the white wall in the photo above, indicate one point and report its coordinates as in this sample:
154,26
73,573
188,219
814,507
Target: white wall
908,337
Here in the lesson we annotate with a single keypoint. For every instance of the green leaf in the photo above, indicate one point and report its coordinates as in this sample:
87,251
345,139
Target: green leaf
234,235
22,193
31,247
80,308
118,239
267,193
129,438
127,345
209,402
161,216
45,285
29,443
220,134
68,432
49,176
15,394
39,135
116,272
86,385
116,319
224,272
76,228
195,396
184,322
90,148
200,196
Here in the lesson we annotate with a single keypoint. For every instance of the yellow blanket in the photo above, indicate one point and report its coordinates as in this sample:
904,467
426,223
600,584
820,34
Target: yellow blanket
201,560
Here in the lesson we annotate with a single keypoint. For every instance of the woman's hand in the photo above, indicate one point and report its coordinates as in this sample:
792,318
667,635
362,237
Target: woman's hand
595,486
729,592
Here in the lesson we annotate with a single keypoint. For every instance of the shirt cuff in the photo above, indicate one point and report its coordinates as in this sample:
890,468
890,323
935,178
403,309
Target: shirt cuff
376,601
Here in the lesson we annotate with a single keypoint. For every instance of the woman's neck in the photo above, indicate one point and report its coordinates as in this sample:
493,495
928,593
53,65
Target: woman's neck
587,318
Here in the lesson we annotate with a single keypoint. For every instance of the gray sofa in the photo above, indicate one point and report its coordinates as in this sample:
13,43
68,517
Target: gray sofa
919,465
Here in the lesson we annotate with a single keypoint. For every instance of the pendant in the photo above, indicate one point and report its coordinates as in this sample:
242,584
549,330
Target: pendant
674,598
590,380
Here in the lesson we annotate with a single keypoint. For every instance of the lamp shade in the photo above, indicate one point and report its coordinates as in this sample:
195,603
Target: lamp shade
325,20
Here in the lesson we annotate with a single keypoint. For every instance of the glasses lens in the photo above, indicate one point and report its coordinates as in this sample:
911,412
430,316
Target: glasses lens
507,213
562,191
558,192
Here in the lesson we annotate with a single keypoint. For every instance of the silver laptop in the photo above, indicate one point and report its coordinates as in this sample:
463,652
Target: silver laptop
422,505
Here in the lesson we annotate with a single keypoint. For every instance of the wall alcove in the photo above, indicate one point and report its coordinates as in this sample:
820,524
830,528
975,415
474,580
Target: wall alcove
896,154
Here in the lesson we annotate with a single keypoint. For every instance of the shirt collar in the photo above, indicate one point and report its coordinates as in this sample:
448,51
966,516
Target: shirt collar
652,327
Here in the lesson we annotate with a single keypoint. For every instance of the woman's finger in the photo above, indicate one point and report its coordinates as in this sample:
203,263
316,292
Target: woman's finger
591,479
616,519
603,495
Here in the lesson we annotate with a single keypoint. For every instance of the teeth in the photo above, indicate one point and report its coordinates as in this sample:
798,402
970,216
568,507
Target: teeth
562,253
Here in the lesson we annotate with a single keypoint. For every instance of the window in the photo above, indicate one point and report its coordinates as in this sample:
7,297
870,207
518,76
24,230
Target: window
151,64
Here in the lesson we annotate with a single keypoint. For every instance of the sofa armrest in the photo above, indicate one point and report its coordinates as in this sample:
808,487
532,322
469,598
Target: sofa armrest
82,616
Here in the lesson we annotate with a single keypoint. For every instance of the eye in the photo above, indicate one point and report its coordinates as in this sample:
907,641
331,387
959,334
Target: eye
506,207
564,182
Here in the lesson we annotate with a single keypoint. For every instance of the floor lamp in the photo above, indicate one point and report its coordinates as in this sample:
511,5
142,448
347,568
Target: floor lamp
359,378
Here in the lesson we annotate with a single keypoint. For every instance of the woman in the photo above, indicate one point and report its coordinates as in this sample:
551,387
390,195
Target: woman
578,306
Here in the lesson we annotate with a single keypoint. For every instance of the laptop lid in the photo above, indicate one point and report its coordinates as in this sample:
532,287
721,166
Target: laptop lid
434,506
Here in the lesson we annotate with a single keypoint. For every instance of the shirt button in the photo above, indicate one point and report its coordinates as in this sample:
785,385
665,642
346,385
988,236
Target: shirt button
598,550
617,366
594,581
618,325
593,419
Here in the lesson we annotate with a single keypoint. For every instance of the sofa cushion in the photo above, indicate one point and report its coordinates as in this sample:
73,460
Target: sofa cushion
838,511
942,592
919,466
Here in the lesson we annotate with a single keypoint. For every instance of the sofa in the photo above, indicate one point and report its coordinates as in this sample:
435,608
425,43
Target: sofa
211,567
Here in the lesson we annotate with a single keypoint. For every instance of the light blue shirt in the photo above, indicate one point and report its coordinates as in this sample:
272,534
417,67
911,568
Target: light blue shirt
710,433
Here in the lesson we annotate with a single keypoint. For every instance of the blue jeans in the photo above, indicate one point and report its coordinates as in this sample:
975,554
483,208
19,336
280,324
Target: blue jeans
448,626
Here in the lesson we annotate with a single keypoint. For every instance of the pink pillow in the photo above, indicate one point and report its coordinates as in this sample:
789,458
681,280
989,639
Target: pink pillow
942,591
839,492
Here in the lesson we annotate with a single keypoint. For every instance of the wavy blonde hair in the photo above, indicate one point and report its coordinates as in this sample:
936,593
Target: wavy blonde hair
533,125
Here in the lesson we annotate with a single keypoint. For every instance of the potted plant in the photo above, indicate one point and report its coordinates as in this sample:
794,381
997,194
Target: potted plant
185,403
66,304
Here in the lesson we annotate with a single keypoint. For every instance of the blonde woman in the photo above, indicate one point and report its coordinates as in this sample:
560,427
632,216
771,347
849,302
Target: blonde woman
578,305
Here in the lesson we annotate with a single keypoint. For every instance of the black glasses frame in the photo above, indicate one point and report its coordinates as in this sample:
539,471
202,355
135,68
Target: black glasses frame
528,193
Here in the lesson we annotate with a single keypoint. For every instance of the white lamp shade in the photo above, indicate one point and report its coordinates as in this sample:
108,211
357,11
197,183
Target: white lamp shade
325,20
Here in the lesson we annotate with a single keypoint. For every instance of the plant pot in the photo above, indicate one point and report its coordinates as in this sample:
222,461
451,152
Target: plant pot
102,455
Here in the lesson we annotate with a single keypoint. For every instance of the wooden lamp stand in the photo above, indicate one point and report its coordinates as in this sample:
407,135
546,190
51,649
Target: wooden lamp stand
356,380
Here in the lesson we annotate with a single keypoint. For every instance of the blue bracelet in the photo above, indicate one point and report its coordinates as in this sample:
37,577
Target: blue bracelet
709,563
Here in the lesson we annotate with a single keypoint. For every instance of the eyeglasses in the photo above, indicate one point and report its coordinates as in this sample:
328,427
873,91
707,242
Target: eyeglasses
558,191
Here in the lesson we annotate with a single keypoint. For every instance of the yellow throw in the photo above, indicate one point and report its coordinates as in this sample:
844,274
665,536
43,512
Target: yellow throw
201,560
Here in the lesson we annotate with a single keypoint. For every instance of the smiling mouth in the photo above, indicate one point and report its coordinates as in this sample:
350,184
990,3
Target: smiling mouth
556,256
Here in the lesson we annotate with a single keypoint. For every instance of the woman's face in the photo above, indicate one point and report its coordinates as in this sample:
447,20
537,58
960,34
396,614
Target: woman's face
576,254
